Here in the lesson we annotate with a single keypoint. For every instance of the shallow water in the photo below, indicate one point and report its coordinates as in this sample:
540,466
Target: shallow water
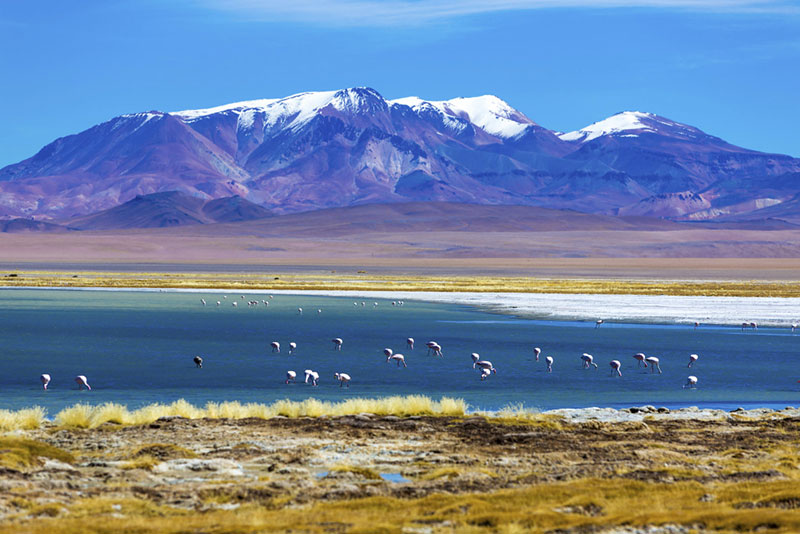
136,348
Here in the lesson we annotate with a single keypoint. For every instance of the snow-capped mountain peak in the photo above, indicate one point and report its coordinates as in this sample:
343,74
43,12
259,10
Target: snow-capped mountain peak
632,124
487,112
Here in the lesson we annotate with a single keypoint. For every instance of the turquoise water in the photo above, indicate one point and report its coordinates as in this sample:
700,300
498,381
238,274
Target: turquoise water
136,348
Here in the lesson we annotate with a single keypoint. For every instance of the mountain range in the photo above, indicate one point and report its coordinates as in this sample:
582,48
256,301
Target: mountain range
351,147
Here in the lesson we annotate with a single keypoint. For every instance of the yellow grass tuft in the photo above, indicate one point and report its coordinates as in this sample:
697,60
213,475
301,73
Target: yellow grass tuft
26,419
87,416
18,453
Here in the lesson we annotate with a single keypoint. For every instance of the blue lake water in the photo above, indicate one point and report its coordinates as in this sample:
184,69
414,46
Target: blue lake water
136,348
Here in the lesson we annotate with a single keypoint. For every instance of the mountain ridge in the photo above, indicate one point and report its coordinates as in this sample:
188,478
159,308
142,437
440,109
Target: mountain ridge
325,149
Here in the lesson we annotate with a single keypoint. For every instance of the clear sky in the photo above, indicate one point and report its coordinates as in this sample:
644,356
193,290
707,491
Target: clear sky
729,67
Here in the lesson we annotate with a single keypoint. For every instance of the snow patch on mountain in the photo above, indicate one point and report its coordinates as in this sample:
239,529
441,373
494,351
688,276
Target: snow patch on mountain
487,112
626,121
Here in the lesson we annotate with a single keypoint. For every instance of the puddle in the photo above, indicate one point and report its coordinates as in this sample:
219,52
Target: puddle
321,474
394,477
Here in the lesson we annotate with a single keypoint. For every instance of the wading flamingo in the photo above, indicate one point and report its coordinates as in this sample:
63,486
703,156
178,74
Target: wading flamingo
536,352
549,361
399,358
82,382
435,347
203,301
696,324
653,361
794,327
45,378
598,322
337,343
410,343
292,347
640,358
485,373
343,378
276,347
691,382
588,361
615,365
198,361
485,365
290,376
299,311
311,375
692,359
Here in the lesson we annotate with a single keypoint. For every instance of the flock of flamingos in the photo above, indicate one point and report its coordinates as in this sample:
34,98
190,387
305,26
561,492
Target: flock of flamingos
484,366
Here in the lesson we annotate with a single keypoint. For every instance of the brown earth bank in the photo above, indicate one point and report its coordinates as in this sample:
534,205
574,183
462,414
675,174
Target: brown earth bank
663,473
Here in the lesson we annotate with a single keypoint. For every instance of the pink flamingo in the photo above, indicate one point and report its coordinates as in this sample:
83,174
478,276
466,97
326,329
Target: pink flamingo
276,347
696,324
410,343
536,352
337,343
399,358
45,378
598,322
692,359
691,382
290,376
653,361
311,375
82,382
549,361
615,365
343,378
640,358
485,365
588,361
485,373
198,361
292,347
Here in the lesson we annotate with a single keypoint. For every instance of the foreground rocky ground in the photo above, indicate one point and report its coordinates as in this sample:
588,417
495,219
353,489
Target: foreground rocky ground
646,471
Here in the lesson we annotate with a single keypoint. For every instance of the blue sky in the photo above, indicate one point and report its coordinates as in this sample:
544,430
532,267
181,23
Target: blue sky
729,67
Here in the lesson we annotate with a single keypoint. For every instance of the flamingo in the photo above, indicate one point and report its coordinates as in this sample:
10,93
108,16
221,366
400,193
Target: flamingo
640,358
653,361
754,325
485,373
198,361
235,304
598,322
299,311
399,358
343,378
82,382
45,378
292,347
319,311
536,352
692,359
696,324
218,303
485,365
588,361
410,343
794,327
549,361
290,376
311,375
435,347
615,365
276,347
691,382
745,325
203,301
337,343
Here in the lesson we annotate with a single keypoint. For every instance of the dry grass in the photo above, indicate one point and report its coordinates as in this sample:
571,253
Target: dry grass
585,505
369,282
26,419
87,416
18,453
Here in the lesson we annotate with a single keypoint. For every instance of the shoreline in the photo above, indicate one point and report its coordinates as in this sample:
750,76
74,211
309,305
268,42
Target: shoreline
774,312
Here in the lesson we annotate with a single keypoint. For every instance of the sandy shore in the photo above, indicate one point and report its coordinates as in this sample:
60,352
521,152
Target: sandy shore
642,470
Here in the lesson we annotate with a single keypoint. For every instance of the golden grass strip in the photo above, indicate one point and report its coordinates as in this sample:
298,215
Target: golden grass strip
414,283
88,416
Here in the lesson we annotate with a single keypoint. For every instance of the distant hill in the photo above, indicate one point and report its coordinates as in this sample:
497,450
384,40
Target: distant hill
319,150
170,208
21,225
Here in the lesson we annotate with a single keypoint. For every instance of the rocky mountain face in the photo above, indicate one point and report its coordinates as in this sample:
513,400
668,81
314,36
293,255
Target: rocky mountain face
342,148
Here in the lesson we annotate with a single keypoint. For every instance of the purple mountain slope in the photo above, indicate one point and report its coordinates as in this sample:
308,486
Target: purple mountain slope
342,148
171,208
